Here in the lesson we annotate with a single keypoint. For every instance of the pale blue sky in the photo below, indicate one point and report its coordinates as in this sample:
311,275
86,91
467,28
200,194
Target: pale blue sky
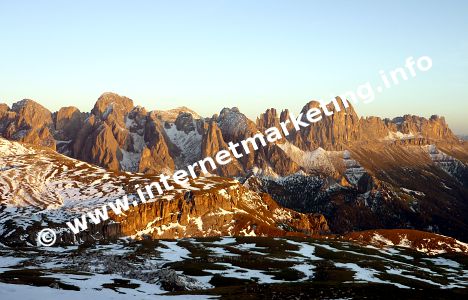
252,54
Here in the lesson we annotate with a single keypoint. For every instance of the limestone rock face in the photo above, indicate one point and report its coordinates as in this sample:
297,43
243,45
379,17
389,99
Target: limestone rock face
197,214
279,161
185,122
31,114
29,122
111,103
234,125
3,108
6,116
374,128
434,128
119,136
268,119
332,132
96,144
155,160
213,142
156,157
68,121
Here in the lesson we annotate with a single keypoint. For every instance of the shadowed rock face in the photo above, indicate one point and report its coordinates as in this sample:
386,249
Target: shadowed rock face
156,155
185,122
68,121
213,142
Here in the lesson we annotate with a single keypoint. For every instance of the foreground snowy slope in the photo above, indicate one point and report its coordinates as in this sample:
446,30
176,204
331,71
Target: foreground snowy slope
242,266
41,188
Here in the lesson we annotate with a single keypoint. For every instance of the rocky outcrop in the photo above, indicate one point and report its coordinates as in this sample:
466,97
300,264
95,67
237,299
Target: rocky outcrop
374,128
267,160
226,210
268,119
111,104
184,122
429,243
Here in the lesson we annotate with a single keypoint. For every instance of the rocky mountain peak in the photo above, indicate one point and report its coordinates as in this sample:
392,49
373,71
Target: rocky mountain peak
433,129
111,102
27,121
184,122
268,119
212,142
235,125
172,114
311,104
68,122
333,132
133,139
31,113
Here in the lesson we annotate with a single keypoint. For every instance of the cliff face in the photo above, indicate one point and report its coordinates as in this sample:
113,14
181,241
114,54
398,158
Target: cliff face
155,154
332,132
213,142
226,210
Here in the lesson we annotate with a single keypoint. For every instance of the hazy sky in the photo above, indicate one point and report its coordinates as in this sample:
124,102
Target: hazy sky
251,54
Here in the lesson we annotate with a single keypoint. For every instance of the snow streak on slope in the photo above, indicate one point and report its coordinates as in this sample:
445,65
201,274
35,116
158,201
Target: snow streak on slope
46,179
189,144
449,164
398,135
353,171
318,159
8,149
131,159
172,114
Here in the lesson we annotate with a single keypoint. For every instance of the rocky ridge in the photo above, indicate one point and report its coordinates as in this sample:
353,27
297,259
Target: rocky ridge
120,136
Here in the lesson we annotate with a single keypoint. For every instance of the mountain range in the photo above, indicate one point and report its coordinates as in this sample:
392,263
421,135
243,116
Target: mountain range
343,174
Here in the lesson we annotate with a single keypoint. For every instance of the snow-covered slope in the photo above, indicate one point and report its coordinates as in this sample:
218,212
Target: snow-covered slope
189,144
40,187
294,268
317,160
171,114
